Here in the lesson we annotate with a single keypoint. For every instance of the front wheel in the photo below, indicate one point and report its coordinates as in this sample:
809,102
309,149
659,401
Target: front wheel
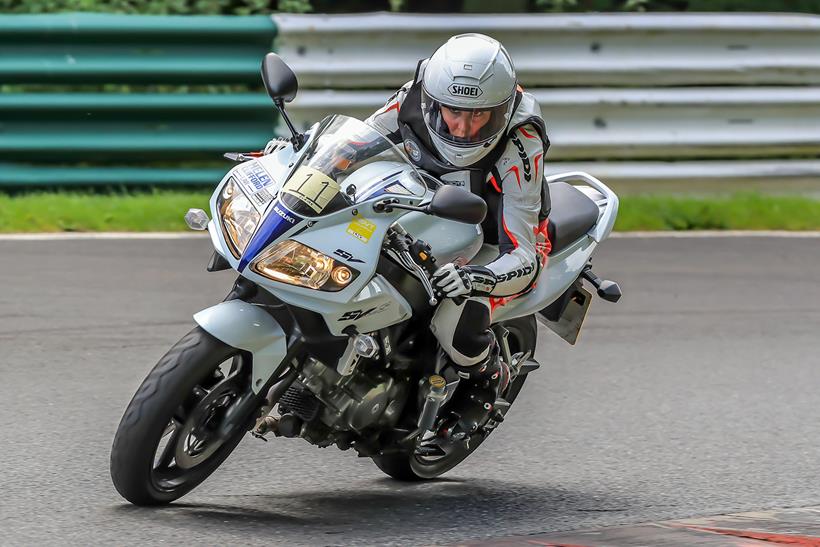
413,467
169,439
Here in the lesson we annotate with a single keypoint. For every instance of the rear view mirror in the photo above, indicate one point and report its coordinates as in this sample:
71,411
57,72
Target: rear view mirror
454,203
279,79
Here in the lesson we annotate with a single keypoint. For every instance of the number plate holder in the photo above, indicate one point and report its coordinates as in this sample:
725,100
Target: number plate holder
568,326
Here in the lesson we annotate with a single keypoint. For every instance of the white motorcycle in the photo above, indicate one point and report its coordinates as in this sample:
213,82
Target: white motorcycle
325,334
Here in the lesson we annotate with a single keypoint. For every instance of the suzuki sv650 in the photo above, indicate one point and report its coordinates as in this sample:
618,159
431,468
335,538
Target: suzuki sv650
325,335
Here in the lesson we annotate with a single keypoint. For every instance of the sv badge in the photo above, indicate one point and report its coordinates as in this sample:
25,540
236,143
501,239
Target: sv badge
346,255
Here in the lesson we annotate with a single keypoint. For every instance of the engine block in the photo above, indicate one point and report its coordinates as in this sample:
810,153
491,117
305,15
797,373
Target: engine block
355,401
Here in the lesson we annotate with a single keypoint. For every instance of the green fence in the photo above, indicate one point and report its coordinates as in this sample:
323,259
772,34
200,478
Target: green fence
63,138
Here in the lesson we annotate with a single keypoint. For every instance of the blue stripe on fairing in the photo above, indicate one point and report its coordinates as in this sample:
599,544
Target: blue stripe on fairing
272,227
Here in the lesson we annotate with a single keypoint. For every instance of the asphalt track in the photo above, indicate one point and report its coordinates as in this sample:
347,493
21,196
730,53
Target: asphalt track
696,395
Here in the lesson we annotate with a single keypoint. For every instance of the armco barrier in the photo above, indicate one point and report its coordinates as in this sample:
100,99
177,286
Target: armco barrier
39,129
617,49
134,126
591,124
83,48
724,95
716,93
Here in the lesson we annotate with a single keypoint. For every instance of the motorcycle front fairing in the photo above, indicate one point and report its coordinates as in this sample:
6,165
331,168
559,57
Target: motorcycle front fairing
296,200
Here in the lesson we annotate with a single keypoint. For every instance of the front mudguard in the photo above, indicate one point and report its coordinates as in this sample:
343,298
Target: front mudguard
245,326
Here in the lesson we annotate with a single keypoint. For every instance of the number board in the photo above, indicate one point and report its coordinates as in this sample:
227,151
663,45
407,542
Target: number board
312,187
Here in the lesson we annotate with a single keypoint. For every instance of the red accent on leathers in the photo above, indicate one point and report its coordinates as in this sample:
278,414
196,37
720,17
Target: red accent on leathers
523,132
535,161
514,169
543,245
496,302
509,234
495,184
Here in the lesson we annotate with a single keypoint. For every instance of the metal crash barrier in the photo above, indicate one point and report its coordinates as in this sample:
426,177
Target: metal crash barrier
627,97
62,124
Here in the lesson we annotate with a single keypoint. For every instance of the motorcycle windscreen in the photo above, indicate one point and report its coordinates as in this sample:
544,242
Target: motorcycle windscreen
342,146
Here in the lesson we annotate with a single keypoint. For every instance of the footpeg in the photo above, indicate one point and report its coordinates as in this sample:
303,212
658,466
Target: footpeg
608,290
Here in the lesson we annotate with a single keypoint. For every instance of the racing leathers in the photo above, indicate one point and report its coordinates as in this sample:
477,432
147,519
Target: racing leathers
510,179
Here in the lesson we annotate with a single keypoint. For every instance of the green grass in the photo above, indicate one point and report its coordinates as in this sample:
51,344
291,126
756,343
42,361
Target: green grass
158,211
161,211
748,211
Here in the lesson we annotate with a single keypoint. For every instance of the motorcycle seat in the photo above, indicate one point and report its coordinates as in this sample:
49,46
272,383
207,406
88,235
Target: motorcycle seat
572,215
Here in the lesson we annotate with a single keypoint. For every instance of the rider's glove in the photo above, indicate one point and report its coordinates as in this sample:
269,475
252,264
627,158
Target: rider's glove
452,281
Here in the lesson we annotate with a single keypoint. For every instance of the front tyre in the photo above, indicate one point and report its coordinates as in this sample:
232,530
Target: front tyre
169,439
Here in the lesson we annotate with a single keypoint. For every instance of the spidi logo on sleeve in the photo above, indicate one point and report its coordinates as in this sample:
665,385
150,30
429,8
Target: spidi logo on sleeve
463,90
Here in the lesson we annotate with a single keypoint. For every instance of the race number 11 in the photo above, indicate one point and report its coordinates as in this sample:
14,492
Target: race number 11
312,187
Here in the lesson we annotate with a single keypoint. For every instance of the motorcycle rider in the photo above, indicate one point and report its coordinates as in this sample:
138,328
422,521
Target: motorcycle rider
464,119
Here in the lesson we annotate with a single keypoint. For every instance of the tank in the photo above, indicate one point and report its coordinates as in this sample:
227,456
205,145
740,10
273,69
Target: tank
451,241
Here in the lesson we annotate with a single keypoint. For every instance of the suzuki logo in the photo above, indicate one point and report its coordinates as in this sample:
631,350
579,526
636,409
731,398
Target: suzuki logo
465,90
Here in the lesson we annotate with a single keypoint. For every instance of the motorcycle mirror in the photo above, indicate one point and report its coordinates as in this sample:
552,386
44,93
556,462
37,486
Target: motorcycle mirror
279,79
454,203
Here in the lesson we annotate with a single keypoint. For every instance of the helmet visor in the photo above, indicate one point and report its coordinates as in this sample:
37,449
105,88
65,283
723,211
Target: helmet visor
462,126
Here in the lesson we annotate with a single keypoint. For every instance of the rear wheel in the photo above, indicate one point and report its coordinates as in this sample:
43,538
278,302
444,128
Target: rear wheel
413,467
169,439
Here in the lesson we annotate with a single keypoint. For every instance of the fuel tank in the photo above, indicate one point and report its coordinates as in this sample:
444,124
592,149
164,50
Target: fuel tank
451,241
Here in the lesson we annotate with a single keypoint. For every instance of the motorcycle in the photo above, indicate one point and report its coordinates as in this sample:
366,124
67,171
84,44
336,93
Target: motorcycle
325,333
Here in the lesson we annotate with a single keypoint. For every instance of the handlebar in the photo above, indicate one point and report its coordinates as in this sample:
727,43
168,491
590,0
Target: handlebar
417,256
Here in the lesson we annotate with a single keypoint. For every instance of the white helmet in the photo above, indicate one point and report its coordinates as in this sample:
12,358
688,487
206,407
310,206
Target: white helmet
468,92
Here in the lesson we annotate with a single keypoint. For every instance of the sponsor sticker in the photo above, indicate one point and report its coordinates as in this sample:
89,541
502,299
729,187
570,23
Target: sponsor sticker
362,229
262,197
253,179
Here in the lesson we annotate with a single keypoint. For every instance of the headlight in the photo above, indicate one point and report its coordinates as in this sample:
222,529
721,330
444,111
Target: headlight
296,264
239,217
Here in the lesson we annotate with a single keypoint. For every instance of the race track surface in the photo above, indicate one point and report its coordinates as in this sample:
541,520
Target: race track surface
698,394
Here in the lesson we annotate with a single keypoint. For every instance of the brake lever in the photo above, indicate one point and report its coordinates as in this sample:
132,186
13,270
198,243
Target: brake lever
418,257
421,274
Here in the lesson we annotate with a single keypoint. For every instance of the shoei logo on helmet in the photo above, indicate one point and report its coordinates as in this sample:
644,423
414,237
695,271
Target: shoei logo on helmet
465,90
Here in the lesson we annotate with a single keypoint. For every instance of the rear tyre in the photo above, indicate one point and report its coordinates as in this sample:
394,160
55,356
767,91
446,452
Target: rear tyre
410,467
167,441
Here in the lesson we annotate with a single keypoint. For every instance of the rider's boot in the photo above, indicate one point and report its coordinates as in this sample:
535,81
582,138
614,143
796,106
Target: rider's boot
485,382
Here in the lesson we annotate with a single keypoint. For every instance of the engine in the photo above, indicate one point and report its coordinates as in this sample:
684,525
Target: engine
366,397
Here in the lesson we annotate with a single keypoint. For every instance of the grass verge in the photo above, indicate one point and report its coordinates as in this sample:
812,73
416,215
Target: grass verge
747,211
162,211
159,211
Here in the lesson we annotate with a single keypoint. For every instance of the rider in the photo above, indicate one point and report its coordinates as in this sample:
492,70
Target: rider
465,119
